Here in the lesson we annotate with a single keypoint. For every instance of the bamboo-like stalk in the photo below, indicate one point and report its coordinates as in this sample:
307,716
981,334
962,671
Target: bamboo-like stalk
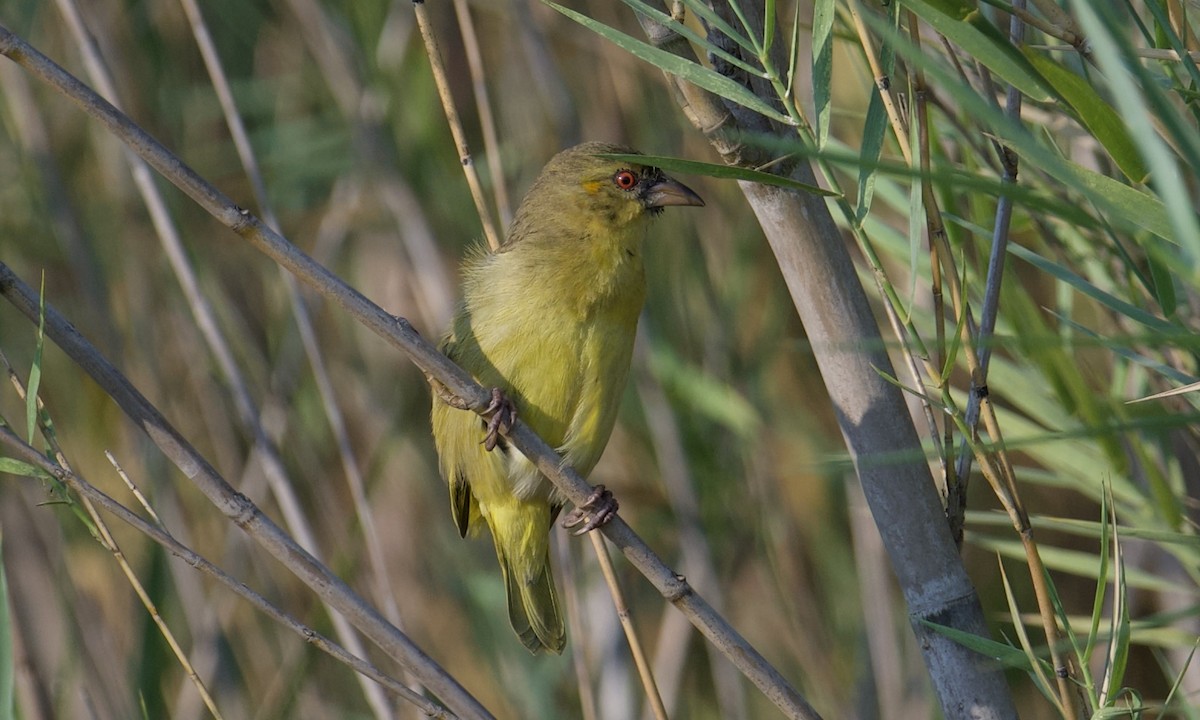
398,332
487,119
872,414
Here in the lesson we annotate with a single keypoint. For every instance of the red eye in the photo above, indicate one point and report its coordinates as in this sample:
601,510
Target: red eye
625,179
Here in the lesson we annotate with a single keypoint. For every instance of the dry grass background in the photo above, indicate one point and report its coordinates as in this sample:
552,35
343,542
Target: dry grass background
724,404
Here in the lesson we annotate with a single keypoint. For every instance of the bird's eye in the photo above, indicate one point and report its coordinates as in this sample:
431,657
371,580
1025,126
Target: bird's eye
625,179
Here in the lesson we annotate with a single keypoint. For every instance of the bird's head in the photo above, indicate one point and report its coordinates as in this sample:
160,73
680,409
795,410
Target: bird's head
580,191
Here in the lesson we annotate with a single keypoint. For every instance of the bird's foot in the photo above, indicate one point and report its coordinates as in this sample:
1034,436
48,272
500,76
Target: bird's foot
501,415
600,508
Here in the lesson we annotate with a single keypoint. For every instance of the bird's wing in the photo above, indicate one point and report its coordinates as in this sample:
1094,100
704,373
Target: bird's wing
460,502
461,499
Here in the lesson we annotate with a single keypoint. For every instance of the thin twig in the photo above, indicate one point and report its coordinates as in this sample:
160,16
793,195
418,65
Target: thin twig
587,698
635,644
456,130
487,119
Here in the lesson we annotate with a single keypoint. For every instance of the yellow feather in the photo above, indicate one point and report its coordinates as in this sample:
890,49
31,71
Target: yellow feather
550,319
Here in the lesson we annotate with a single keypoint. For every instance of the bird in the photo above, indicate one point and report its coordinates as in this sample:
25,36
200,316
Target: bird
548,322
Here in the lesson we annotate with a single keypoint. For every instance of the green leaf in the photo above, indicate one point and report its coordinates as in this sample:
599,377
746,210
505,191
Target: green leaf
724,172
1006,654
1143,110
872,144
963,24
1078,563
1129,207
1096,115
1036,667
694,73
22,469
768,26
822,67
1108,300
1118,650
35,371
716,21
950,176
1163,283
697,38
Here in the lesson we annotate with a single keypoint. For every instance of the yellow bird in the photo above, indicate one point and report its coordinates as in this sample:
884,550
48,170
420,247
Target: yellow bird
548,321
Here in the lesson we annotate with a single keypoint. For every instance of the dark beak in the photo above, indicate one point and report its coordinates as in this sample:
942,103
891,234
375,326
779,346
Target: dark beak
667,191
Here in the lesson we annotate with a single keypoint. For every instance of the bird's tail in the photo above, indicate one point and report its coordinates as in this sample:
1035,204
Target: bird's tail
521,535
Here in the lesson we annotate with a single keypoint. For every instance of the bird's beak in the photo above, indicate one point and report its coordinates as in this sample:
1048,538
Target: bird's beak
667,191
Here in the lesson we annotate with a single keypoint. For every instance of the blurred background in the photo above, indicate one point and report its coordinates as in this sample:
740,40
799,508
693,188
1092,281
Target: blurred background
726,458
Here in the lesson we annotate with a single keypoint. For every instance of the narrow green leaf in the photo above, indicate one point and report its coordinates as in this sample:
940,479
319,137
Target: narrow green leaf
946,175
822,66
694,73
1120,346
1088,528
1081,564
1007,655
1096,115
741,16
723,172
1101,573
1163,283
1127,84
1123,205
768,26
1135,207
1118,656
702,9
872,144
699,39
965,26
1035,664
1187,709
1082,285
793,51
13,466
35,371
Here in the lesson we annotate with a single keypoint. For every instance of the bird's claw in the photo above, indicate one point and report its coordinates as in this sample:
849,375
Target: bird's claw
600,508
501,415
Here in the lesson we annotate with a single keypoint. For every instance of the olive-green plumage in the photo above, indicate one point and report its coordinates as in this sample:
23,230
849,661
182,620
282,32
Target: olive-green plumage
550,320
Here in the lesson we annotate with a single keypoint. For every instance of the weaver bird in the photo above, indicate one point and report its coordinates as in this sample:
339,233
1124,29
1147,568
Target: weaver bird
548,321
